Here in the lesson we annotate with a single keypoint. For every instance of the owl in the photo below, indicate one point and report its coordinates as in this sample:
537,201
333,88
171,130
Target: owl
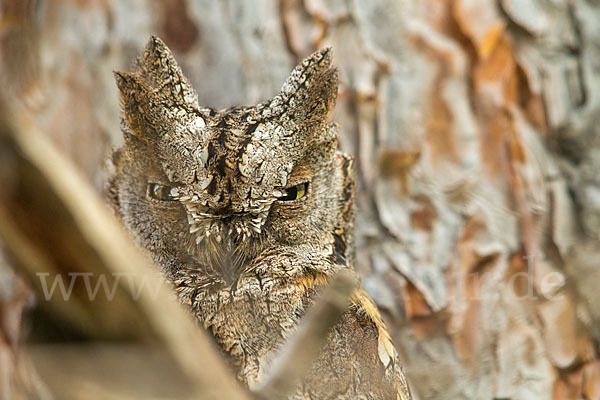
249,213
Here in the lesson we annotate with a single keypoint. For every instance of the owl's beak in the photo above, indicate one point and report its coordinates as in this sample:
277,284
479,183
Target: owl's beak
223,255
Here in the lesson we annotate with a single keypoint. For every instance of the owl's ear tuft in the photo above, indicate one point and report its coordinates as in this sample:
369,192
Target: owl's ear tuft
137,102
311,90
305,73
129,83
159,67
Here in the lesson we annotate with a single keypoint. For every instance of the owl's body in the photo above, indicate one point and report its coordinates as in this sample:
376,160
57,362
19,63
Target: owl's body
249,211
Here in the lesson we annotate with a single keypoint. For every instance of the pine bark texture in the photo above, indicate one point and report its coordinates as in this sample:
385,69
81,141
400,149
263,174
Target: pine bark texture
476,129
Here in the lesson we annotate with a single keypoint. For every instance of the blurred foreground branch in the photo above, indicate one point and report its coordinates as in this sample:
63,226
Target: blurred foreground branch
52,222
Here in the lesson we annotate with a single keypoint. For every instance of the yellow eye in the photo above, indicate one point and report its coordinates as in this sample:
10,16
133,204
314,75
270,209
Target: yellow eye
295,192
160,192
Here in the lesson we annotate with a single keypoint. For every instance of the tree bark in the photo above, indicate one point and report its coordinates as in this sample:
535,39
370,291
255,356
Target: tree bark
476,128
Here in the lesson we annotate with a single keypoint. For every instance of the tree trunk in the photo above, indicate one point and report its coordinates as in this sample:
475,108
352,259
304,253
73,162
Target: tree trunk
476,129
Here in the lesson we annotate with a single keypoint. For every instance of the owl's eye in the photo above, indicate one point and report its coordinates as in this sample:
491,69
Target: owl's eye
295,192
160,192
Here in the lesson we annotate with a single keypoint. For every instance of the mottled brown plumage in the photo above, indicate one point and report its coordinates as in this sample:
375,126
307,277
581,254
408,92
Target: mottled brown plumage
249,211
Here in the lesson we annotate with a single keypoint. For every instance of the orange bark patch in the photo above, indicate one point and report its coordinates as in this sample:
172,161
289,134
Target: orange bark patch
591,380
425,216
569,385
466,335
498,68
480,22
394,162
177,28
415,303
440,122
517,275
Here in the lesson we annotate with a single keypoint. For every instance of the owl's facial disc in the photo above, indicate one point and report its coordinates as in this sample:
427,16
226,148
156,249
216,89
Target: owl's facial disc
224,185
228,234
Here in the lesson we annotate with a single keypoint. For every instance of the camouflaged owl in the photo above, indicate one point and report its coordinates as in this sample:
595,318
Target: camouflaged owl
249,211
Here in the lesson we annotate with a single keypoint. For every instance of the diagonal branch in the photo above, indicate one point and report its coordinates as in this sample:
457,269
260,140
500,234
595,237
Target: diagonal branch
52,222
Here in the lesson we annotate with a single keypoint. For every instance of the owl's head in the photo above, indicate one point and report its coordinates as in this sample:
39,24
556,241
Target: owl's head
218,191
